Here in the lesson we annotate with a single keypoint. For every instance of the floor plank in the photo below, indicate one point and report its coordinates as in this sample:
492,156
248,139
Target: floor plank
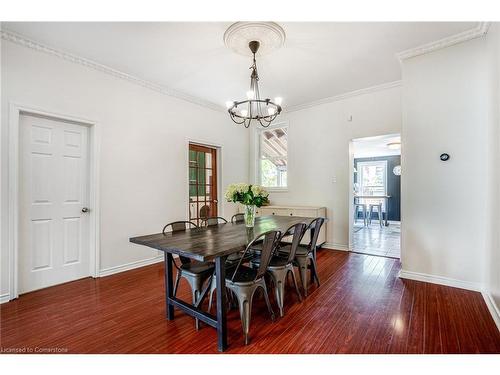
361,307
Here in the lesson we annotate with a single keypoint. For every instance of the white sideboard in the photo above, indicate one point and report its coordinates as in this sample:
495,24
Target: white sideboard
301,211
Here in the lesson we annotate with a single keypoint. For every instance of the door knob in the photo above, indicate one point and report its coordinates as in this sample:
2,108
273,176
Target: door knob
85,209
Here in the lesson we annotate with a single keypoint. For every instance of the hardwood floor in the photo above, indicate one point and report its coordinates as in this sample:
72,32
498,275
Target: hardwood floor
361,307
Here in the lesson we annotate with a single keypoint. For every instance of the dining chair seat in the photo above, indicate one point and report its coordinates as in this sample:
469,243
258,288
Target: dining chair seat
276,261
245,274
197,268
302,250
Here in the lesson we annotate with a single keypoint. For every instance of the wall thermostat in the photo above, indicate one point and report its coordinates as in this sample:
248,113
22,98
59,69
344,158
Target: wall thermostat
444,157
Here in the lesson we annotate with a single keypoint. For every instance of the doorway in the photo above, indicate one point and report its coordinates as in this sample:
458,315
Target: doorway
376,195
54,197
203,202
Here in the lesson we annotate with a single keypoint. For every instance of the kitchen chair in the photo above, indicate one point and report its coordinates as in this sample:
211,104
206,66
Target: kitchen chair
195,273
238,218
245,280
305,255
380,215
282,264
214,220
363,209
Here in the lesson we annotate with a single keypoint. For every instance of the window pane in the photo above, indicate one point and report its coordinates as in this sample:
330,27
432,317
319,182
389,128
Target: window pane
372,180
208,160
273,145
273,173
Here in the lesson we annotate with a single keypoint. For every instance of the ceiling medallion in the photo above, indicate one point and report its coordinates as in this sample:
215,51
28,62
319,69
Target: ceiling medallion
252,34
270,35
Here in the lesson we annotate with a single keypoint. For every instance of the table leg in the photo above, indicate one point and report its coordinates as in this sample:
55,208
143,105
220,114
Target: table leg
220,272
311,273
169,285
387,212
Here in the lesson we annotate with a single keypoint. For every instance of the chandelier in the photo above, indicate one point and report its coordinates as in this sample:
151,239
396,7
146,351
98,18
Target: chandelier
264,111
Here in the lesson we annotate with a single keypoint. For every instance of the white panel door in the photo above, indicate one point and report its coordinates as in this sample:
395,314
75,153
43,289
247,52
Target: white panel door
53,229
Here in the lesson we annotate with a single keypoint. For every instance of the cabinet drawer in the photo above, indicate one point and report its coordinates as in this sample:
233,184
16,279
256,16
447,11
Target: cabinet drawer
274,211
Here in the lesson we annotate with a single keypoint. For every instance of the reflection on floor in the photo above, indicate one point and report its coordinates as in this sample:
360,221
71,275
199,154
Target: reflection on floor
376,240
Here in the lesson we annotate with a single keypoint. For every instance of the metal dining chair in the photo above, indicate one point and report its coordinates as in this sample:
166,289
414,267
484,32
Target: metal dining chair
281,264
380,215
195,273
214,220
245,280
305,255
238,218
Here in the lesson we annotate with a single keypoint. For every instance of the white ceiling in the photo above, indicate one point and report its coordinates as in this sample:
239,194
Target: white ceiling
318,60
375,146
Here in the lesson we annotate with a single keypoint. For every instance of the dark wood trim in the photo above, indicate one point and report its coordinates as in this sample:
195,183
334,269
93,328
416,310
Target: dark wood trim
212,184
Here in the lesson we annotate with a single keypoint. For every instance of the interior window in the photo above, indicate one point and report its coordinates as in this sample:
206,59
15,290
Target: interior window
273,154
372,179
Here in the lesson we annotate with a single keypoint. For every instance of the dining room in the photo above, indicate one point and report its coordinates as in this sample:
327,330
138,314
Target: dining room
249,187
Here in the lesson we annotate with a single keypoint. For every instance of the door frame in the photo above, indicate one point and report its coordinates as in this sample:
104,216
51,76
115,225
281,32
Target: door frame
15,111
218,150
351,185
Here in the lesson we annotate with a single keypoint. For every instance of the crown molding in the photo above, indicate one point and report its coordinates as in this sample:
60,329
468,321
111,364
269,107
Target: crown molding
350,94
37,46
478,31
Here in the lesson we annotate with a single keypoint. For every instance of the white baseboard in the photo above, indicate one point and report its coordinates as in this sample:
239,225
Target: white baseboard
335,246
4,298
130,266
492,306
440,280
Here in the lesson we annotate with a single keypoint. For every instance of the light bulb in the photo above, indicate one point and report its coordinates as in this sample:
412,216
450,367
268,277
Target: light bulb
278,100
271,111
244,112
250,94
229,104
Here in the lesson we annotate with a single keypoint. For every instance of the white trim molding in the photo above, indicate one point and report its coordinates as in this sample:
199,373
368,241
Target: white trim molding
4,298
350,94
130,266
30,43
335,246
481,29
441,280
492,307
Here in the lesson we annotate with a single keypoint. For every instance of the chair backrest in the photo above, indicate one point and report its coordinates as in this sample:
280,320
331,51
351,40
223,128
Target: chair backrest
238,218
178,226
269,245
215,220
315,227
297,231
204,212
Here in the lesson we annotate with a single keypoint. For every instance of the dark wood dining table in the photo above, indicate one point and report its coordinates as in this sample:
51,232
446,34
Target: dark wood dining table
213,243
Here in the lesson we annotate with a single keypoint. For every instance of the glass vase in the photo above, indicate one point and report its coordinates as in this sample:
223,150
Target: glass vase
249,215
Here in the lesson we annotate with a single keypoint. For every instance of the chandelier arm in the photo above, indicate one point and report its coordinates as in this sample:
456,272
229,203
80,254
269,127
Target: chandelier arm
233,117
256,110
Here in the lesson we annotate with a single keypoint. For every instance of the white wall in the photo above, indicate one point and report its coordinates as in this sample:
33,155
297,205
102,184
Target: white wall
447,206
318,144
493,257
143,147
